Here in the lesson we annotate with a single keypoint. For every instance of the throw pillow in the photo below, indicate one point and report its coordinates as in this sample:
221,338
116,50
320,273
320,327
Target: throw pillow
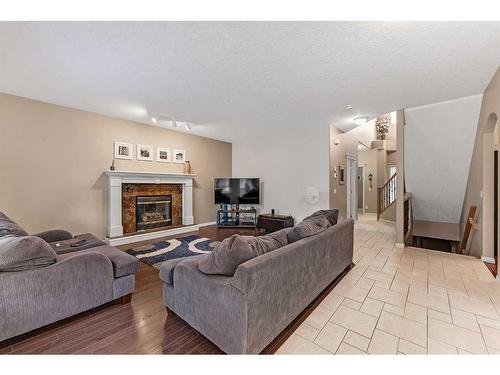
9,227
235,250
25,253
313,224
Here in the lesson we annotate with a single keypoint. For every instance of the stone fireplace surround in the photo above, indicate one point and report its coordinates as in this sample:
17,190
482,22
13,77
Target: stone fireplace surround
116,182
131,191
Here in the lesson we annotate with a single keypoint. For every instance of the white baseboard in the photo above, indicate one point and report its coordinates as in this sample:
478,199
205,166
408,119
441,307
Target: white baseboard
400,245
207,224
150,236
488,260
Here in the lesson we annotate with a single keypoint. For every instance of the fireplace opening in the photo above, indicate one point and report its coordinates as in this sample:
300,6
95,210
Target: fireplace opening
153,211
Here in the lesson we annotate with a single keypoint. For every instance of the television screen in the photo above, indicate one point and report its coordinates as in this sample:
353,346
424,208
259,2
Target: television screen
237,190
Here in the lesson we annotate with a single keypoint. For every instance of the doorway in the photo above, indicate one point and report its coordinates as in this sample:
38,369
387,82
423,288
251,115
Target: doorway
360,187
351,186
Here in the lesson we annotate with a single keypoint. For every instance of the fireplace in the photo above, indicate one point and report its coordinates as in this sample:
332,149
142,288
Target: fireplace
153,211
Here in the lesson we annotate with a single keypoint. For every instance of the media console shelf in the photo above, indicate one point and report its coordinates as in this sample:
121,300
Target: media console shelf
237,218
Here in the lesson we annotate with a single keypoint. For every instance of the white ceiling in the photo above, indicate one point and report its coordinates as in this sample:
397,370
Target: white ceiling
235,79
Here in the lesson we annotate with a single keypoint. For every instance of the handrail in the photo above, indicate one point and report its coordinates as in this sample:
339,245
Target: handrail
386,195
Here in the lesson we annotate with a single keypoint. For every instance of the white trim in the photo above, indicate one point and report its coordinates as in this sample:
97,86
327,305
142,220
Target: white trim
488,260
150,236
207,224
147,174
117,178
350,191
400,245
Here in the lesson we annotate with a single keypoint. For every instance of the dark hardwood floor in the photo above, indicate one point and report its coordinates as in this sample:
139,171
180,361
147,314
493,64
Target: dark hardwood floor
139,327
492,267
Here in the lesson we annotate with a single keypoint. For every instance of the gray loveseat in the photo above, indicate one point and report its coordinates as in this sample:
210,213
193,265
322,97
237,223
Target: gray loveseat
243,313
44,279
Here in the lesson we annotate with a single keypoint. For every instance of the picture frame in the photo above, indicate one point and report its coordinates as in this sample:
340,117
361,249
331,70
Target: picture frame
163,155
179,156
144,152
123,150
341,175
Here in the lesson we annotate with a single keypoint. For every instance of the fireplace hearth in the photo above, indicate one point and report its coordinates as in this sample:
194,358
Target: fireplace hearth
153,212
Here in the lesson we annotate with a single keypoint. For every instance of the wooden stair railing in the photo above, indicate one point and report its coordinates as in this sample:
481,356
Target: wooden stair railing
386,195
408,219
469,226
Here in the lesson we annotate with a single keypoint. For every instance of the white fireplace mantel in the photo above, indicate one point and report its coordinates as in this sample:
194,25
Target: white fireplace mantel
117,178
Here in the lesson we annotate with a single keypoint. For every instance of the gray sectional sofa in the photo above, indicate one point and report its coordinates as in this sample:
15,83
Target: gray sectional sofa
52,275
243,312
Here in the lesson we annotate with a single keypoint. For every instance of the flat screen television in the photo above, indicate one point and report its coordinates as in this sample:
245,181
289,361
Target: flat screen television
237,190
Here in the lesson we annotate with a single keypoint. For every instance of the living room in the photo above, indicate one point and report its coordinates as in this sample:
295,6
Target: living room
239,187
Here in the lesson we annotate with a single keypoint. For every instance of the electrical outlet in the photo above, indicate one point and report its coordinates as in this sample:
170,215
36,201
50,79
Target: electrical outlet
334,191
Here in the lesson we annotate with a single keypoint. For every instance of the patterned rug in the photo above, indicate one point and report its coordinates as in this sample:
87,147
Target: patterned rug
157,253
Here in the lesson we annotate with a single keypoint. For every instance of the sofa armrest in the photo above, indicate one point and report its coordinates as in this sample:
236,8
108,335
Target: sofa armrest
54,235
211,305
167,268
34,298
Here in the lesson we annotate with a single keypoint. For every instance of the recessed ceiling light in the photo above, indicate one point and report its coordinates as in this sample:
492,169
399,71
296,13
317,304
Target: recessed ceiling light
348,107
360,120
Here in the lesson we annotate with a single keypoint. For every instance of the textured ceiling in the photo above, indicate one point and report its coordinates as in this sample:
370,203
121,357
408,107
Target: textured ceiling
235,79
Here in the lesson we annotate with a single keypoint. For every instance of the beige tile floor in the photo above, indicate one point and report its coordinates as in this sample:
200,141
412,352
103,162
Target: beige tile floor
403,301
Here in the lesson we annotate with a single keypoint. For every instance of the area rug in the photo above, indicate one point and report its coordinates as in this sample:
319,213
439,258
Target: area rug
157,253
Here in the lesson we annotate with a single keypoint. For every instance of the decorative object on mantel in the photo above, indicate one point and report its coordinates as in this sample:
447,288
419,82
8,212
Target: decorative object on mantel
382,126
144,152
179,156
123,150
163,155
112,168
187,167
155,254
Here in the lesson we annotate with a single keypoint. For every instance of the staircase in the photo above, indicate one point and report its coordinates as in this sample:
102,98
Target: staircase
386,195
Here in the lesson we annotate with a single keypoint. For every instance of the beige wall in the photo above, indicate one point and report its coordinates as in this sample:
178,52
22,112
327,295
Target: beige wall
490,108
52,161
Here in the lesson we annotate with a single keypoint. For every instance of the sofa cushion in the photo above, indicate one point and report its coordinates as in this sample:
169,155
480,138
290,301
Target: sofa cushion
54,235
331,215
25,253
313,224
235,250
123,263
9,227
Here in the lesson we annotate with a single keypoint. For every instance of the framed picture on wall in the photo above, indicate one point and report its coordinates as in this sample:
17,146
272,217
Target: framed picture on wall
341,175
123,150
163,155
144,152
180,156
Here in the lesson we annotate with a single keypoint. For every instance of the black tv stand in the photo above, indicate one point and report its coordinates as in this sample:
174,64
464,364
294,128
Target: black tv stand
235,217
